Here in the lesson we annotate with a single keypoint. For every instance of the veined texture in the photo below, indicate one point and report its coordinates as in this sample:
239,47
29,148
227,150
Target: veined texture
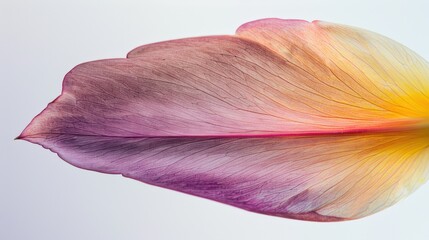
313,121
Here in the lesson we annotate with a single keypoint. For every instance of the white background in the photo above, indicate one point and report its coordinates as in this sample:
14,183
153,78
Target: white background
42,197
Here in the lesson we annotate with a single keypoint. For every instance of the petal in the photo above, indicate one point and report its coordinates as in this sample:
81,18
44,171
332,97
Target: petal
312,121
318,178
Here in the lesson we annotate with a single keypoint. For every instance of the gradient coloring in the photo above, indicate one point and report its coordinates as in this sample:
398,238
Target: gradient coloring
312,121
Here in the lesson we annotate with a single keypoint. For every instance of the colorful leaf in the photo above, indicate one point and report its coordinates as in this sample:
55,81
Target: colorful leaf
312,121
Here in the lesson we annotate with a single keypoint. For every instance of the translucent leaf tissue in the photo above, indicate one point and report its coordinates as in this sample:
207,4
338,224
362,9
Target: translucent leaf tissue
305,120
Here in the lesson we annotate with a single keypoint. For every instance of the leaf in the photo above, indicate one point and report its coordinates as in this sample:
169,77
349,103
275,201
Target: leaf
311,121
